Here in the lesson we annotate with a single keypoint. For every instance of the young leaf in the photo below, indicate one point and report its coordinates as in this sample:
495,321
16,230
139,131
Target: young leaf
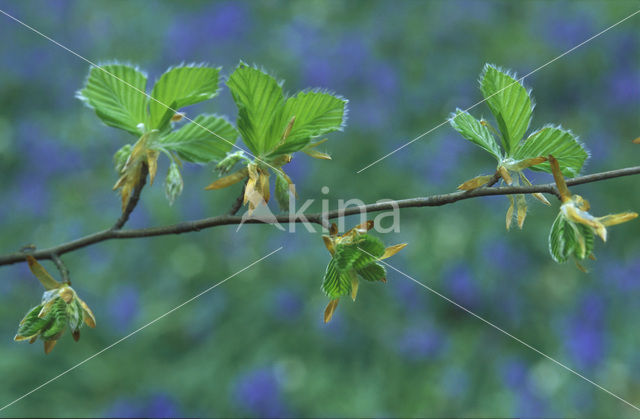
31,325
570,239
316,113
117,95
173,183
179,87
336,282
472,130
372,272
43,276
259,99
564,146
283,190
197,145
509,102
361,252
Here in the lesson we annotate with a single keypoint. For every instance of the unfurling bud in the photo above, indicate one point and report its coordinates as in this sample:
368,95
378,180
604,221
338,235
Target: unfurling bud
173,184
228,162
121,156
177,116
60,308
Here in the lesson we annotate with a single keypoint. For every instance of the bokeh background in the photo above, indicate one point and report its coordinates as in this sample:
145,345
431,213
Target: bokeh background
256,346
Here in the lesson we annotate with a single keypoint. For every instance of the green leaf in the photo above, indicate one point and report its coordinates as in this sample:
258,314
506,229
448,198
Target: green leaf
361,252
509,102
118,96
179,87
564,146
196,144
336,282
570,239
75,314
472,130
316,113
372,272
173,183
259,99
370,245
31,324
282,191
561,239
346,255
58,317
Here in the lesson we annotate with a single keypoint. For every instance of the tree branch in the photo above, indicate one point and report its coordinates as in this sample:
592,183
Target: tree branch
316,218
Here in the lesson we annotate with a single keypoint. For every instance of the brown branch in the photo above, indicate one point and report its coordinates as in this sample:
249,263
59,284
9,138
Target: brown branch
317,218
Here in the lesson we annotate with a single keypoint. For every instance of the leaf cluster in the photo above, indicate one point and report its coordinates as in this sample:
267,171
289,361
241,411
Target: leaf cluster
272,126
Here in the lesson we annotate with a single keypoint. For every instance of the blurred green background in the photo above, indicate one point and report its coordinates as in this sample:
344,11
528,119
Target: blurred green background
256,346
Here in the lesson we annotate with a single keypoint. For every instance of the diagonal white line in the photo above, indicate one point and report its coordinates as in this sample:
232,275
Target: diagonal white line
141,328
506,87
91,63
503,331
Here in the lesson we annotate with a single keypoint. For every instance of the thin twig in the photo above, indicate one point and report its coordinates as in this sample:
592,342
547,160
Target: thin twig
64,271
133,199
316,218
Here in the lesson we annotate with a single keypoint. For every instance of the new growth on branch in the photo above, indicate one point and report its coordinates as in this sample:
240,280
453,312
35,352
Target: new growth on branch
273,128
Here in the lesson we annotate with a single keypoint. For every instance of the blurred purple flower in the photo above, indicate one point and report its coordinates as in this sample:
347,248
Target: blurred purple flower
352,54
592,309
584,342
30,195
566,31
298,168
625,49
445,162
405,292
124,306
286,304
45,156
161,405
599,145
319,71
514,373
124,409
369,114
337,330
383,76
504,256
626,276
530,405
421,342
220,23
585,334
459,283
258,392
344,66
225,22
625,86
